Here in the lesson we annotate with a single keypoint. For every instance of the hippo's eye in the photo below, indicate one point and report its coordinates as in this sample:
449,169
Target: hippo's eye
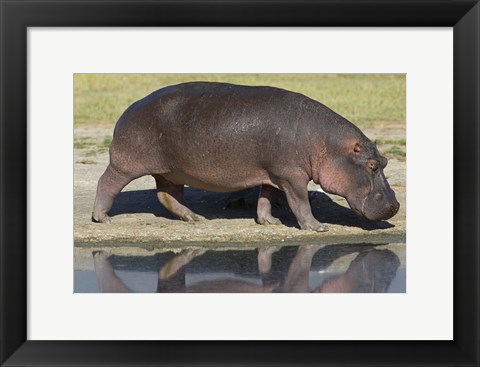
372,164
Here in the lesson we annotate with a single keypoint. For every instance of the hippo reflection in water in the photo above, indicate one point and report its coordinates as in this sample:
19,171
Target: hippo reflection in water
370,272
223,138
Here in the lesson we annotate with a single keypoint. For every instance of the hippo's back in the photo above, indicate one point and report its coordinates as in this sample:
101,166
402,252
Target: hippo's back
217,122
214,104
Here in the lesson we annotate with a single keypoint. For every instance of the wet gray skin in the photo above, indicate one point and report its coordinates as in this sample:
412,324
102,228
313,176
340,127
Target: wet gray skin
223,138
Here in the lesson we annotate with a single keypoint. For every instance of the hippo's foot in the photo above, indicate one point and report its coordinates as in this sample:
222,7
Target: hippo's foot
101,219
268,220
191,217
314,226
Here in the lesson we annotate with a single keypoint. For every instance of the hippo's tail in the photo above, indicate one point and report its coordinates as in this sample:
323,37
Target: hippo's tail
114,131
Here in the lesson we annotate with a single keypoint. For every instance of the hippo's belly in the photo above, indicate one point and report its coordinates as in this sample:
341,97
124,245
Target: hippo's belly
219,181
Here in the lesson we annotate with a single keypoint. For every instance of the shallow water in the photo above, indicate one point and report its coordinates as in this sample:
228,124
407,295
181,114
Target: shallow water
358,268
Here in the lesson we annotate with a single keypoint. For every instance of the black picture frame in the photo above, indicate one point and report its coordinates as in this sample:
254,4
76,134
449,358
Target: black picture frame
18,15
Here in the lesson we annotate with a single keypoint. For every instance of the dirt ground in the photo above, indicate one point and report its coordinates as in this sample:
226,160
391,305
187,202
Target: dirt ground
138,217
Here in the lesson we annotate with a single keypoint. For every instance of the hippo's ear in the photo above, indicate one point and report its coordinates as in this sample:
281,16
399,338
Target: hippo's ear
357,148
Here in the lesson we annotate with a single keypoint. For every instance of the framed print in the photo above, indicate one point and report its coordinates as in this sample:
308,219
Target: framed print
135,112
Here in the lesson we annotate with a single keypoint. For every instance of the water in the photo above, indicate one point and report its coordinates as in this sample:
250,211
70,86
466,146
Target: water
358,268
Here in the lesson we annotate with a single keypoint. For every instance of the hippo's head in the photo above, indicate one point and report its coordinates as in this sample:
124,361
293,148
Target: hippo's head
354,170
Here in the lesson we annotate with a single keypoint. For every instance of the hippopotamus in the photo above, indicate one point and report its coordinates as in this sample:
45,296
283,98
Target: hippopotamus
223,137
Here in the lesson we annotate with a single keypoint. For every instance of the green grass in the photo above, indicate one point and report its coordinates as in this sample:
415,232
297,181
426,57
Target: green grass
364,99
83,143
106,141
92,146
390,142
392,148
396,152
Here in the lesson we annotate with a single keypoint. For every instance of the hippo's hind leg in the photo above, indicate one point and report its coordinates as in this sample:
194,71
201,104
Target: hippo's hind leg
109,186
171,197
264,207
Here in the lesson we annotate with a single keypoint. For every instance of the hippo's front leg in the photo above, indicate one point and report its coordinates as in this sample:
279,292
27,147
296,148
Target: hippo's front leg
297,195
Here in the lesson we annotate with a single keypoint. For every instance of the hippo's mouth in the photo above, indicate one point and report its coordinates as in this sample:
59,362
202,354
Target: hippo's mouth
383,214
360,213
359,210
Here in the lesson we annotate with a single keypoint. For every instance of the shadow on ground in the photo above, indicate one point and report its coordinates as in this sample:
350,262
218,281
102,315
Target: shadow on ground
241,204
